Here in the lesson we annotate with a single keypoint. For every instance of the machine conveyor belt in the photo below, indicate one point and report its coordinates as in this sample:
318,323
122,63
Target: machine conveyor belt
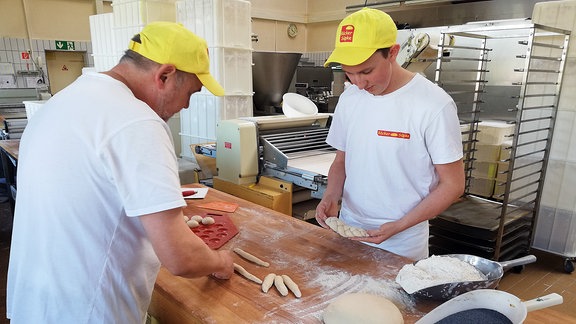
281,149
306,140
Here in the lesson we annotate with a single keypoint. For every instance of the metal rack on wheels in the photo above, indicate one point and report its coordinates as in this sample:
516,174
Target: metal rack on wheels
497,215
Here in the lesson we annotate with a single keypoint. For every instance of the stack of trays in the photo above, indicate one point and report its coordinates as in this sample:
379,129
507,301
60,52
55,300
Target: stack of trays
471,225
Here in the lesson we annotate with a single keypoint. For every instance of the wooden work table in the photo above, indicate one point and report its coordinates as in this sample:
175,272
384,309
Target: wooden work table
11,147
322,263
9,150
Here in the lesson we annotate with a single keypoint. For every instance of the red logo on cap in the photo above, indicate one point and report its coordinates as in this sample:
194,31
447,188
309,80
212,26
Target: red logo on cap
347,34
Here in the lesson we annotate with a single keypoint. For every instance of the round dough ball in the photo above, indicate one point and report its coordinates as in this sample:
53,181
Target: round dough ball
197,218
362,308
208,220
192,223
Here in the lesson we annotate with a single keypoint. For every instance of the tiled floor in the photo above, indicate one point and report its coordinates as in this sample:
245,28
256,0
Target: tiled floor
537,279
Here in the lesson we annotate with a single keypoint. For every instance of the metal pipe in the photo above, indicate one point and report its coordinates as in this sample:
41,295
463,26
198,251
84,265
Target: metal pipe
24,7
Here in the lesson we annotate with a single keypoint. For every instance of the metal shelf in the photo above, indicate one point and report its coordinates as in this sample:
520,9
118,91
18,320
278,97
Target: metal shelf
501,226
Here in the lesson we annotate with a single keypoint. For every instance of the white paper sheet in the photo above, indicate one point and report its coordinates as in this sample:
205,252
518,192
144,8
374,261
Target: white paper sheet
200,193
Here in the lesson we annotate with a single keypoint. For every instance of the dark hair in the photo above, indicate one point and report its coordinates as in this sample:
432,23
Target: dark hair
138,60
385,51
146,64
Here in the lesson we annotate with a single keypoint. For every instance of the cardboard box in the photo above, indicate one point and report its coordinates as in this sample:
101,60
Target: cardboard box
487,152
499,190
494,132
505,150
501,174
481,187
484,169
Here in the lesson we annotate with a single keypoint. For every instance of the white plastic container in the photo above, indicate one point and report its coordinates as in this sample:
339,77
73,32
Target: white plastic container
232,68
198,122
105,62
223,23
101,34
296,105
122,37
494,132
141,12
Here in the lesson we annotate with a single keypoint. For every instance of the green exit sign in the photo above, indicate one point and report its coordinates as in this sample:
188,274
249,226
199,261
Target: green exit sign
65,45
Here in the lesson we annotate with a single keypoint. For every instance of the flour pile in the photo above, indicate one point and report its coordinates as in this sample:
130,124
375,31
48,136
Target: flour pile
436,270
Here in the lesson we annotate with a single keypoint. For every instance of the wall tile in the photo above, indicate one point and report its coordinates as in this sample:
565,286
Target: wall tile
15,57
13,43
39,45
22,45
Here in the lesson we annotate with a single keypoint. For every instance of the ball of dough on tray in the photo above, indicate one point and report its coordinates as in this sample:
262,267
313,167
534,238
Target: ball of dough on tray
192,223
362,308
208,220
197,218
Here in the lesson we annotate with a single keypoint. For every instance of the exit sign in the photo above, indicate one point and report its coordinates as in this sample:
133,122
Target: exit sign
65,45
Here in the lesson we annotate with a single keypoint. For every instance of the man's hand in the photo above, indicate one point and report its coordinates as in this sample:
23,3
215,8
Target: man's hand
377,236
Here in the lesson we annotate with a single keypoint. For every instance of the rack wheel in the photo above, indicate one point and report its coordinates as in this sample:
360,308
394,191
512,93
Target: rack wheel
568,266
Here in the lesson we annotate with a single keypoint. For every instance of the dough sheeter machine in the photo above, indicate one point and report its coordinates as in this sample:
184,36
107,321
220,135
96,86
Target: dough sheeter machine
292,149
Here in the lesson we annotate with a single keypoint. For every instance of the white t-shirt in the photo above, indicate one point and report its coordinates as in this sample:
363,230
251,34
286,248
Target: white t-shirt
92,159
392,143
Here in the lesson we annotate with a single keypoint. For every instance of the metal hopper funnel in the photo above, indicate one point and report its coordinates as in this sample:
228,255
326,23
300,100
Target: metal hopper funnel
272,73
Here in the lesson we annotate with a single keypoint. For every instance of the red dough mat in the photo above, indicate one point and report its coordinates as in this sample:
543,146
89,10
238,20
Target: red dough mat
220,205
217,234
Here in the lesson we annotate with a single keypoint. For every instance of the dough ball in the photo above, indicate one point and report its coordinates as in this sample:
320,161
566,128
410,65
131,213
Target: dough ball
207,220
197,218
192,223
185,218
362,308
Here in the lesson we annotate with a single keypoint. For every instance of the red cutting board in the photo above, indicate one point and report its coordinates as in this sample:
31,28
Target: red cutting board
217,234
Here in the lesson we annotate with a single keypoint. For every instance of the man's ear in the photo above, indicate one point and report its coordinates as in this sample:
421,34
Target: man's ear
394,50
163,73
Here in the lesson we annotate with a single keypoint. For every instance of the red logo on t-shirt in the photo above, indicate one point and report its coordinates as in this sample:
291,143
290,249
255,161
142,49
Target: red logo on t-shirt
227,145
393,134
347,34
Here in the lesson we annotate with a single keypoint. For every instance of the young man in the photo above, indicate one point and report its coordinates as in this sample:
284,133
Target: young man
99,204
397,135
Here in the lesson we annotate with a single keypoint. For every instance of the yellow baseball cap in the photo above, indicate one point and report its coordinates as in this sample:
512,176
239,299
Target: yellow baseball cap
171,43
360,34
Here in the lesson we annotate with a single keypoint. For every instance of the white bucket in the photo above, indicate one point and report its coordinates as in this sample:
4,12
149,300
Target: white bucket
296,105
